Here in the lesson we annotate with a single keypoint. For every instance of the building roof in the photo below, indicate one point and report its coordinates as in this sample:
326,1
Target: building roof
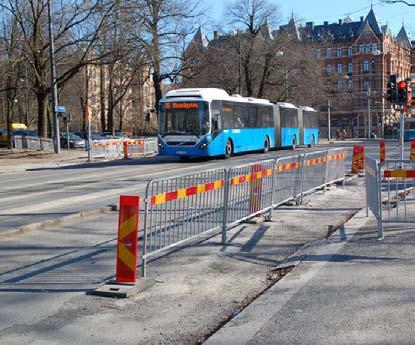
346,29
403,38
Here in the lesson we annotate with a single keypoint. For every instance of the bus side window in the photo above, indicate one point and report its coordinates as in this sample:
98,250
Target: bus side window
216,121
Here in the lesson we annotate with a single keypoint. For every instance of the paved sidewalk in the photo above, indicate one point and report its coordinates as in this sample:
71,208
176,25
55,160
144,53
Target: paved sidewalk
21,161
350,290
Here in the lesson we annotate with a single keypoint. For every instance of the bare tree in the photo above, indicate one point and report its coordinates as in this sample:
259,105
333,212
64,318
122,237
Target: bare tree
252,16
11,65
76,25
167,25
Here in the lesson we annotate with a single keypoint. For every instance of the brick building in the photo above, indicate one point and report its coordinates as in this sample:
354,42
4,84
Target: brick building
358,57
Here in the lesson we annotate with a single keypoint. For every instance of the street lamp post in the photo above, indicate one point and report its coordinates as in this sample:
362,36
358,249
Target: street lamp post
56,138
369,120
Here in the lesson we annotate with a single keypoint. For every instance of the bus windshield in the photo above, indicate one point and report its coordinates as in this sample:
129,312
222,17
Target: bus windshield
184,118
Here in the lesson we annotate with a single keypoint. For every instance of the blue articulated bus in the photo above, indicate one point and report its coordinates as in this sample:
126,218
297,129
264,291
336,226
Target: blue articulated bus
209,122
308,123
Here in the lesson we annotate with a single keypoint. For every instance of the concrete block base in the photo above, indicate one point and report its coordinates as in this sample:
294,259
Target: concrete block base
117,290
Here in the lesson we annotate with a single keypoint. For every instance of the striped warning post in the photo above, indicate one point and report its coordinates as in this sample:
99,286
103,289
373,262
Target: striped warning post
127,240
358,159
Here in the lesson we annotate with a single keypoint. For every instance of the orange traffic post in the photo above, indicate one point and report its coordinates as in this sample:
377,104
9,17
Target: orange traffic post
125,143
382,150
126,270
412,154
355,159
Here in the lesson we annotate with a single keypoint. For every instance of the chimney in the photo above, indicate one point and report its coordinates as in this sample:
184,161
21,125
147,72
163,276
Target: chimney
361,19
326,23
215,35
340,21
309,25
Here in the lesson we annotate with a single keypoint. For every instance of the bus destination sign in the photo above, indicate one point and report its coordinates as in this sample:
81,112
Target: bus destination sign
182,105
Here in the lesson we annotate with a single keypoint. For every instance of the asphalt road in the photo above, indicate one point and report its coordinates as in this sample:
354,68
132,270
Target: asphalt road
50,193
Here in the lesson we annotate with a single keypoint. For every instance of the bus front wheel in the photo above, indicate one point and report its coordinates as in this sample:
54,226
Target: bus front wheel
228,149
266,145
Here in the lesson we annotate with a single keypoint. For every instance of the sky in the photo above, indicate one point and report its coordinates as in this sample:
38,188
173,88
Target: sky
319,11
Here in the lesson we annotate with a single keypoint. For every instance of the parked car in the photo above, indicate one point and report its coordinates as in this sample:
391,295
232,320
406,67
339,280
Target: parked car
94,136
74,141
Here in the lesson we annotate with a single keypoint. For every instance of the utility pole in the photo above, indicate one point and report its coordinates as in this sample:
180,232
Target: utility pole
402,126
56,138
368,114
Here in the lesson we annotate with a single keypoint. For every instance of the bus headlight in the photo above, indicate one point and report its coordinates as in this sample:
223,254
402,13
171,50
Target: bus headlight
161,146
203,145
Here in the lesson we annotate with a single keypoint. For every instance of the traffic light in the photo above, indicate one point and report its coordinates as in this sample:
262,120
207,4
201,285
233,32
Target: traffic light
402,95
391,89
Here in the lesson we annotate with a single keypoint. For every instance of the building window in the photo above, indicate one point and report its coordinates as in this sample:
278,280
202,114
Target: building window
350,68
374,47
349,84
350,51
365,66
318,53
328,68
365,84
329,52
362,48
340,68
339,52
339,85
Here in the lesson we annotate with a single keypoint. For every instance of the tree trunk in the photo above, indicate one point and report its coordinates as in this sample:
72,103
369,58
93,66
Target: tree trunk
102,98
9,120
157,89
42,125
265,75
110,113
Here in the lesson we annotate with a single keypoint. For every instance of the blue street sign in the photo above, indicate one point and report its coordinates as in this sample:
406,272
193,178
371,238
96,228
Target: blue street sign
60,109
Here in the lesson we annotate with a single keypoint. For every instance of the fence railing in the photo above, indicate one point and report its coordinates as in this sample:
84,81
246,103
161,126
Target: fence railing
182,208
389,187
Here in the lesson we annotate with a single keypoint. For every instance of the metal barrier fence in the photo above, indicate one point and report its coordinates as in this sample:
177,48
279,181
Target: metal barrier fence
181,208
151,146
389,187
32,143
115,148
106,149
46,144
